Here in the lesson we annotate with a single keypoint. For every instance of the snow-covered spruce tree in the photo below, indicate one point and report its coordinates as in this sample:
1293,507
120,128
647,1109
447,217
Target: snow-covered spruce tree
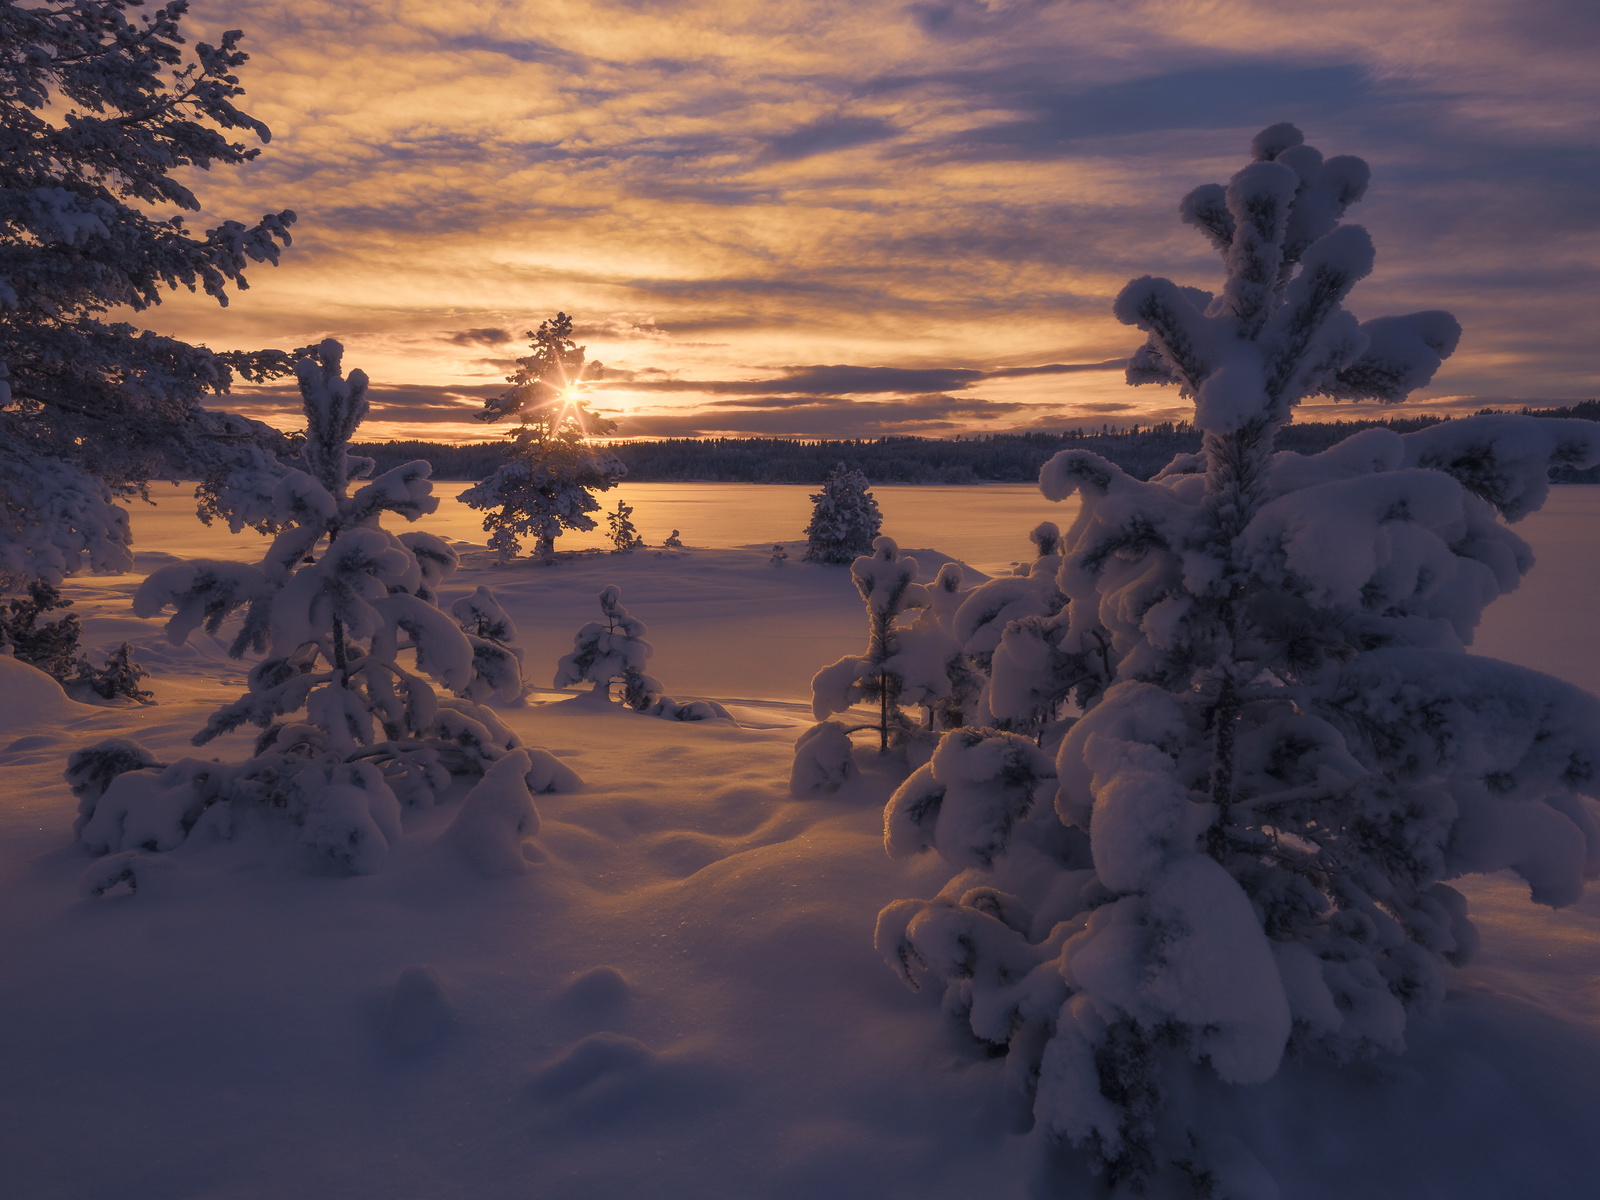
1285,752
98,114
622,532
844,518
614,651
547,483
345,614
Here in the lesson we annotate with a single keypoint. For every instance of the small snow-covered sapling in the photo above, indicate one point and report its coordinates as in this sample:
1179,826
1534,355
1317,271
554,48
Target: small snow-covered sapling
907,661
614,651
496,657
620,528
611,650
779,554
673,542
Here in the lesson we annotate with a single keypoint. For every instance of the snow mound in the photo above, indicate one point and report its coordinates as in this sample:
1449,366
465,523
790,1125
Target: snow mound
30,697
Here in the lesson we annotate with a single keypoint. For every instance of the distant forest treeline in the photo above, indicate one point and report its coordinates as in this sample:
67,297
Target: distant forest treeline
992,458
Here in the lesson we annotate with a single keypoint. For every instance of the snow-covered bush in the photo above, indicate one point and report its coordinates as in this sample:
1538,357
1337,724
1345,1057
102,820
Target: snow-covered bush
91,410
673,542
844,518
334,605
779,554
1285,753
547,484
622,532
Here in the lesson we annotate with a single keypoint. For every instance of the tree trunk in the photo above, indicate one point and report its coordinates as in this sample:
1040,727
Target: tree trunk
883,712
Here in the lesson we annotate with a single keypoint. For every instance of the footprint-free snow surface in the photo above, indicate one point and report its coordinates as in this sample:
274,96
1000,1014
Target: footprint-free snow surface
680,999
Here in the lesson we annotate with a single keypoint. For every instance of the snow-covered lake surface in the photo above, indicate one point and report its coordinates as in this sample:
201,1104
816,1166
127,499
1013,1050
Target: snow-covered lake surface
682,999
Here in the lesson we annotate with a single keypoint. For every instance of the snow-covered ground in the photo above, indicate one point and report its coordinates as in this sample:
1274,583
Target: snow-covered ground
682,999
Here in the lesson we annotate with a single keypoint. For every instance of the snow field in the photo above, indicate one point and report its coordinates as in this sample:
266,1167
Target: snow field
680,997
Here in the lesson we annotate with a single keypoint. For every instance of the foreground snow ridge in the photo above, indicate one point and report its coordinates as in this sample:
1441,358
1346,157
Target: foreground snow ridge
1284,751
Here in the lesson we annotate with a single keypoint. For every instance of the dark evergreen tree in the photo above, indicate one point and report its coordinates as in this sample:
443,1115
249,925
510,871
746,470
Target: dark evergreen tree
91,409
844,518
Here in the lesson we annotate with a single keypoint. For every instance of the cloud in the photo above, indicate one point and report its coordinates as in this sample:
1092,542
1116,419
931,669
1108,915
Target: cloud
813,416
845,380
827,135
711,189
417,407
480,337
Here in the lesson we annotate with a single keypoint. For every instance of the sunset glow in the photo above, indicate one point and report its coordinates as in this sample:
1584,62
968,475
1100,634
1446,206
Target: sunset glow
846,220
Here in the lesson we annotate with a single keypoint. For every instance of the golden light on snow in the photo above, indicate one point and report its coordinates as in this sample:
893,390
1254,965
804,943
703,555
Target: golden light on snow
722,193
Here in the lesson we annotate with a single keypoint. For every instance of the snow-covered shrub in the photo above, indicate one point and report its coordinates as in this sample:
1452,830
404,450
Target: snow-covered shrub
622,532
779,554
118,679
499,812
547,484
51,646
92,409
53,649
908,661
334,605
1285,753
844,518
673,542
823,759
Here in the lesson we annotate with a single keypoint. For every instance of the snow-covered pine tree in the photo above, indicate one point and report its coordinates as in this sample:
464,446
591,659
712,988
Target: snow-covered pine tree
622,532
547,484
844,518
334,605
1285,751
779,554
91,410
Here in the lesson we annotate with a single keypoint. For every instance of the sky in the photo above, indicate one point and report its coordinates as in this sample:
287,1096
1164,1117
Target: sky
851,218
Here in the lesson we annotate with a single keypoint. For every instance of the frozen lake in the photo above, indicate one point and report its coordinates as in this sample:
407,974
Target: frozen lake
1547,624
985,526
